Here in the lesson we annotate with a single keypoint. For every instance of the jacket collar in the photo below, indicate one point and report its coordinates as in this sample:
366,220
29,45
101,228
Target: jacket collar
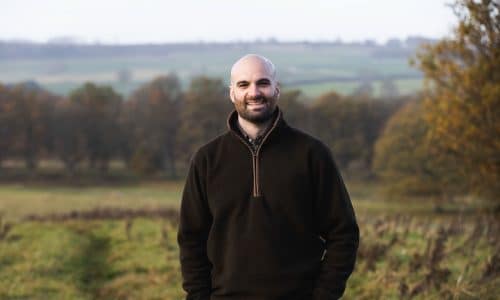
277,123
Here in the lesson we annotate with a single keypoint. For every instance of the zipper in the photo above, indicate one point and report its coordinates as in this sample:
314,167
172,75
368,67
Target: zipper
254,165
255,157
255,172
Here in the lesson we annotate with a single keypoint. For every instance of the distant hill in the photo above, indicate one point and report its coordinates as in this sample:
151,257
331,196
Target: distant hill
312,67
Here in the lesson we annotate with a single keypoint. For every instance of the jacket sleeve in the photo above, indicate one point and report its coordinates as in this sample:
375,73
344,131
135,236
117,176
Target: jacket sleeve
194,226
337,226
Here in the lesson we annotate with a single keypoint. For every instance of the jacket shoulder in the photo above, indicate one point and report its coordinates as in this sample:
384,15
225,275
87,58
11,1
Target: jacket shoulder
209,147
312,143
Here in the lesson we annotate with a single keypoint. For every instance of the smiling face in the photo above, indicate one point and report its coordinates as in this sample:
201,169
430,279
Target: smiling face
254,90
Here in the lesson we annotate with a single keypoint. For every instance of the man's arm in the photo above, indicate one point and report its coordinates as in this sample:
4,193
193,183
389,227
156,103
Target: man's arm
194,226
337,226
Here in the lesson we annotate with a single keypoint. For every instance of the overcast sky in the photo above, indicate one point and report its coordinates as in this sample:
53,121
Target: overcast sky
156,21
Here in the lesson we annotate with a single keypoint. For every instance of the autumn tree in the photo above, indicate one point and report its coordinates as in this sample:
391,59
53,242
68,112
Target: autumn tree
296,112
350,127
100,109
204,114
7,120
388,89
462,75
69,135
404,160
365,89
32,114
152,119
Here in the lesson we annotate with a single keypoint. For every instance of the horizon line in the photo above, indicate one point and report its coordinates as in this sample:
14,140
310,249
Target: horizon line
80,42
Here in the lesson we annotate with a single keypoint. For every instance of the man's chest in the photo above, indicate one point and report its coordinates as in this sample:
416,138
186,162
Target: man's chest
274,182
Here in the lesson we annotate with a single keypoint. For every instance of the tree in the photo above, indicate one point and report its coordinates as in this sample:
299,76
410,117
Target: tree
152,117
32,114
204,113
388,89
70,138
7,122
404,160
100,106
295,111
350,127
365,89
462,76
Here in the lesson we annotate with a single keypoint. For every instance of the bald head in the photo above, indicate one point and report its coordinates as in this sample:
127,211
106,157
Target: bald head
253,61
254,90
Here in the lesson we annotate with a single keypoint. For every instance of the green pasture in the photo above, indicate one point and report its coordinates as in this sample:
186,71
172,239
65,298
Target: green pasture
90,260
404,86
315,69
20,200
407,251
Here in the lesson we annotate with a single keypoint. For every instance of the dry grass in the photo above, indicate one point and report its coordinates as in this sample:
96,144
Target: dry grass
115,242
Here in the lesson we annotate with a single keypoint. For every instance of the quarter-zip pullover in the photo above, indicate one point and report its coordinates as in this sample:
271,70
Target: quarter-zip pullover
255,223
256,141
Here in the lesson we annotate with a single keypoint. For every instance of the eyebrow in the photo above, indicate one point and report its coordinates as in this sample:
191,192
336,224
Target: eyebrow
264,80
238,83
259,81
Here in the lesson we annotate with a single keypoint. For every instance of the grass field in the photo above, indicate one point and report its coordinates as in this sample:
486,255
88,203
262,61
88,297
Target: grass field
405,87
315,69
18,200
406,251
90,260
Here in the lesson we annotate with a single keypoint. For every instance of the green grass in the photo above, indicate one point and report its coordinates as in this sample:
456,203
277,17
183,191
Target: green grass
90,260
407,86
18,200
399,258
404,86
104,260
138,258
317,89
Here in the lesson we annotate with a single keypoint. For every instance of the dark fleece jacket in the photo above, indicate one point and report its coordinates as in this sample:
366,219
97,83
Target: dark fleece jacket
271,223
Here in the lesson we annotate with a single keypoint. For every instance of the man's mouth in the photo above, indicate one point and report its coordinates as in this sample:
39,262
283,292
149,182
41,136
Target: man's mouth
256,105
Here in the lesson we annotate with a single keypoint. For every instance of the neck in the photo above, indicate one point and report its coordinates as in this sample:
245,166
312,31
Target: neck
252,129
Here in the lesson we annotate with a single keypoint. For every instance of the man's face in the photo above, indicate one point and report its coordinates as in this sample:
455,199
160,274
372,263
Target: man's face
254,90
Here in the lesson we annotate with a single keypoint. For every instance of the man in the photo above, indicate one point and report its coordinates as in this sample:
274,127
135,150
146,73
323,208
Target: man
265,214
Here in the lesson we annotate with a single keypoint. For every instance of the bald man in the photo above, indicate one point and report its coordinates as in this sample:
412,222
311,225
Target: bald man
265,214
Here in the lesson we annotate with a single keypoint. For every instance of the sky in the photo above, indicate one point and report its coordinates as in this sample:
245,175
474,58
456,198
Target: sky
160,21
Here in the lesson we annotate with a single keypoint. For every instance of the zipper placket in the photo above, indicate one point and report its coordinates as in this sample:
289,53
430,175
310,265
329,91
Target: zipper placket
254,164
255,170
255,157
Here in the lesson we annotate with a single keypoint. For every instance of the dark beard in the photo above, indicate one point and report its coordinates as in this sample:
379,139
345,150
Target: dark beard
262,117
258,119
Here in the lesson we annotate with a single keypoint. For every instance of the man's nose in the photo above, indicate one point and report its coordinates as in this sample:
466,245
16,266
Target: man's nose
253,91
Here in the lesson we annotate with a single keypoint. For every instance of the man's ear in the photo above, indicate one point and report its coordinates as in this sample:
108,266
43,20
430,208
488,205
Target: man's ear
231,93
278,91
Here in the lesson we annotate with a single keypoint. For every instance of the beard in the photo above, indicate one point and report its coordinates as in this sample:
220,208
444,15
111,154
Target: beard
258,115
